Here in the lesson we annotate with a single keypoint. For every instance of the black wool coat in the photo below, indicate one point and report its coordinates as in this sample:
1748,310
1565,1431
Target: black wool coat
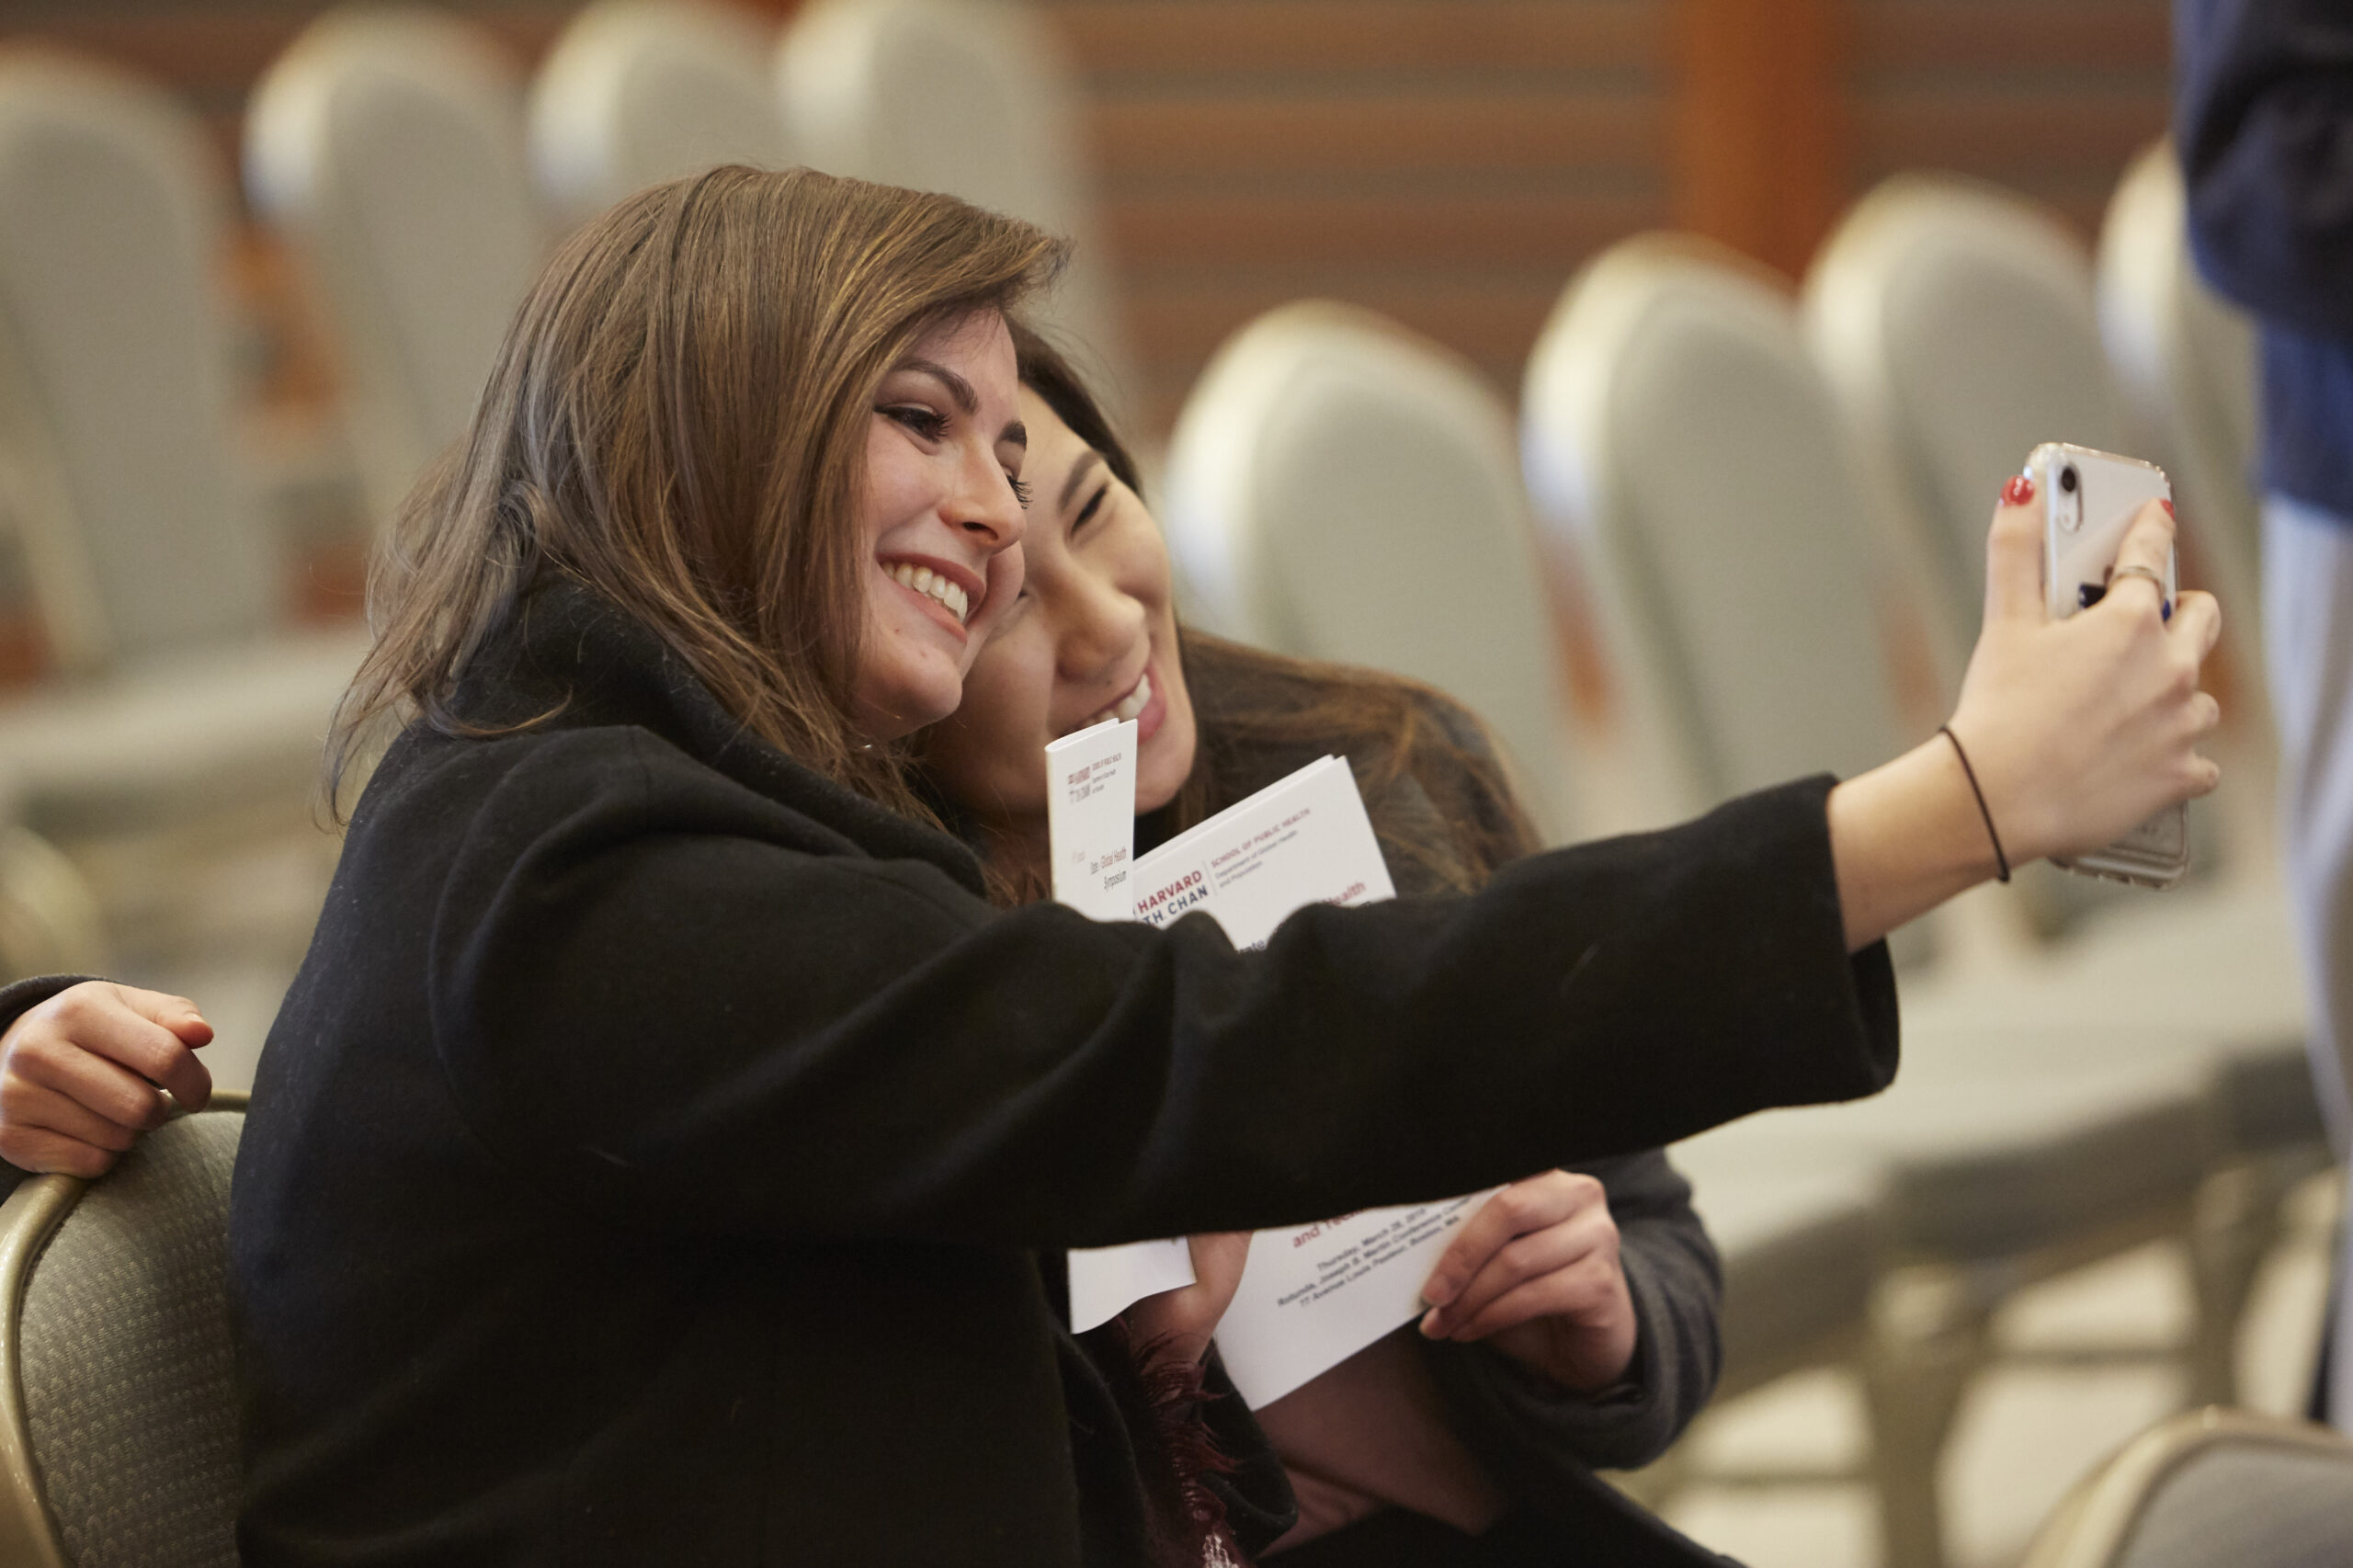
649,1161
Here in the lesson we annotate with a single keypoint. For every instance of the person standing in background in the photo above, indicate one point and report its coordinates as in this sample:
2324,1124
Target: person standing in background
2263,121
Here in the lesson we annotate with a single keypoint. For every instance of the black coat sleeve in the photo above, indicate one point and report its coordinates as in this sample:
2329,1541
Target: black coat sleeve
2263,121
658,1006
1531,1433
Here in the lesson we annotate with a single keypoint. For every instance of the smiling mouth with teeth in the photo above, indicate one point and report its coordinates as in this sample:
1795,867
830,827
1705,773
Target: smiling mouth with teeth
1127,707
923,580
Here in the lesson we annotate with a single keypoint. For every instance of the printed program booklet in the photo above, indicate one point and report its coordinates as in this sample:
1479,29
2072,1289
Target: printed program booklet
1310,1296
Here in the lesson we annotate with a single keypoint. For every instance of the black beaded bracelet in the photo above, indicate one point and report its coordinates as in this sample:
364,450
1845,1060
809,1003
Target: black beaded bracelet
1984,811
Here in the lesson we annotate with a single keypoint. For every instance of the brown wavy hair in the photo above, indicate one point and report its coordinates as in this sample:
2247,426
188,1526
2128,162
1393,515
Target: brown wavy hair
677,419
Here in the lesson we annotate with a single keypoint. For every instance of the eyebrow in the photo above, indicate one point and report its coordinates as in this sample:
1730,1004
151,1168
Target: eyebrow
967,401
1087,459
958,389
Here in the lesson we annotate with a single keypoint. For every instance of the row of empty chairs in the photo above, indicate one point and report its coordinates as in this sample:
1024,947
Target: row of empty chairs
185,703
419,182
1757,498
423,184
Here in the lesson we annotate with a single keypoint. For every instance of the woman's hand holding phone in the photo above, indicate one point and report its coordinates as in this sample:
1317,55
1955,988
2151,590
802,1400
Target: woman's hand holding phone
2081,728
2074,731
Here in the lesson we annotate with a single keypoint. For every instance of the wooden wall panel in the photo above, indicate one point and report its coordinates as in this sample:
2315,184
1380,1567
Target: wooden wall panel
1447,161
2050,97
1761,123
1131,38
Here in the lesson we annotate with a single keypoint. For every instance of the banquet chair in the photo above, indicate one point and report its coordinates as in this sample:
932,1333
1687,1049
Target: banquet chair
636,91
2185,360
1680,450
1955,326
388,146
2211,1486
1339,489
973,97
118,1383
183,717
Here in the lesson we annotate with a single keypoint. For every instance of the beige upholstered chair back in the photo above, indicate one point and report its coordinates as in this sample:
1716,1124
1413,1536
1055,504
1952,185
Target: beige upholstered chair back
2185,359
115,434
117,1400
636,91
2211,1487
1683,450
389,145
1956,323
1339,489
974,97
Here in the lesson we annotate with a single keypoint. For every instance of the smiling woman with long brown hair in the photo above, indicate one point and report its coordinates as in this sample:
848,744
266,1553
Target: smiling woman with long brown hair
654,1157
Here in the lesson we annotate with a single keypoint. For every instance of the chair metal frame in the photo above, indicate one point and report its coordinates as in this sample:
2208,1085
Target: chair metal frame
28,1220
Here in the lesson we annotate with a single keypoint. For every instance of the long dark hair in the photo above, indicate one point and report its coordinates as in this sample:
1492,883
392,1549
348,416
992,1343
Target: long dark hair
677,418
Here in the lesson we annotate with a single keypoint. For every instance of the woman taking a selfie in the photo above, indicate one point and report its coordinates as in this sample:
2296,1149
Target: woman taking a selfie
650,1160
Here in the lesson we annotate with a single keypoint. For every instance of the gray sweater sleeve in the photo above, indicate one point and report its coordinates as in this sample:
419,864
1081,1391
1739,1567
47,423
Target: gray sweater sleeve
1524,1428
21,997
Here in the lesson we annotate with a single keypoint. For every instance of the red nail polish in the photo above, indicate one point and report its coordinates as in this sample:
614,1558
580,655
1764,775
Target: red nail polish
2018,491
2168,506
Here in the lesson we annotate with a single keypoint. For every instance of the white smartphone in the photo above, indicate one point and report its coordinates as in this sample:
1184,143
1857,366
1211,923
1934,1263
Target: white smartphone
2089,499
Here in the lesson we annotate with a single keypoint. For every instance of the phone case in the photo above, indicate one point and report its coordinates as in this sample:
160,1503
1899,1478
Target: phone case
2089,499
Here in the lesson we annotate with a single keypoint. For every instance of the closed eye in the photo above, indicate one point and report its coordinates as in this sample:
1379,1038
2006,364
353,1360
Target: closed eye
1020,491
1093,505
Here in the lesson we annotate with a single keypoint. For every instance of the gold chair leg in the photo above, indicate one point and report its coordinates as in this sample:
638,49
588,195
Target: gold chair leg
2237,1224
1930,1340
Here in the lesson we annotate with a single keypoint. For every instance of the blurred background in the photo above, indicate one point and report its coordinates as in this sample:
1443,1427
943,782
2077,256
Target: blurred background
1647,369
1445,162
